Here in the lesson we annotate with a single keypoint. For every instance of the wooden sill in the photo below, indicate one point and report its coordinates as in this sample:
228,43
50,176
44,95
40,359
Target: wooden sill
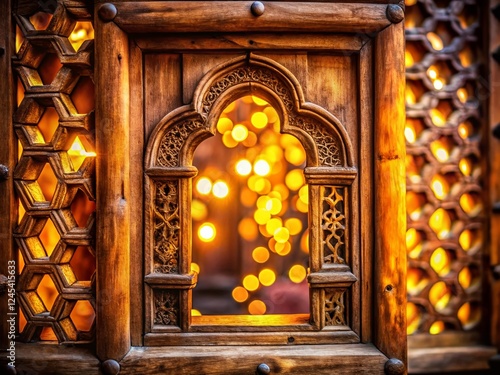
293,359
449,359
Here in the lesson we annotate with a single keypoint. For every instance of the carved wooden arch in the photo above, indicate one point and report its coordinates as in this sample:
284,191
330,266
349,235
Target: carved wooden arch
176,136
330,172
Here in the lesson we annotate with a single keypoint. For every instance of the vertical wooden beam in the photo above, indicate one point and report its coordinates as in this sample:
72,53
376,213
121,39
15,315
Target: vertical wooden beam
113,190
390,211
7,161
494,170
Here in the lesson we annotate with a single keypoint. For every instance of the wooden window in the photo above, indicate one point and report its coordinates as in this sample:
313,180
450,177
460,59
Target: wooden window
162,80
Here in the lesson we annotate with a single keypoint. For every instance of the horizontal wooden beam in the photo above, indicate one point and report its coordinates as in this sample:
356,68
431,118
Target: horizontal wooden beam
199,16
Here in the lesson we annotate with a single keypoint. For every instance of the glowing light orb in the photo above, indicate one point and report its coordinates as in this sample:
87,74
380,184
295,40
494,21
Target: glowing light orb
207,232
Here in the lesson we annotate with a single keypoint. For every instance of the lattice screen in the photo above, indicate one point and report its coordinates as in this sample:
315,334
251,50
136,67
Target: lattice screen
445,174
54,176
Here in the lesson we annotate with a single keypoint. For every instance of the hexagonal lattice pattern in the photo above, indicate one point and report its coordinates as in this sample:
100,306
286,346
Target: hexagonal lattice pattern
443,134
54,175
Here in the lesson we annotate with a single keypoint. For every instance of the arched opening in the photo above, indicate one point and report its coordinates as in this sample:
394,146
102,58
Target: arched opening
249,214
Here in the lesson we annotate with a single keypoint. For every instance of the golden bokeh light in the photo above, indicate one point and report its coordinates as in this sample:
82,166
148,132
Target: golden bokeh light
259,120
262,167
240,294
251,283
224,125
257,307
204,185
243,167
239,132
440,262
294,179
267,277
220,189
281,235
260,254
207,232
297,273
195,267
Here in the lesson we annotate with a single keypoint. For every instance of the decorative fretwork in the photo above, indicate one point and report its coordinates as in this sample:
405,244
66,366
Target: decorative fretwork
173,140
54,177
334,307
445,180
333,223
166,227
166,310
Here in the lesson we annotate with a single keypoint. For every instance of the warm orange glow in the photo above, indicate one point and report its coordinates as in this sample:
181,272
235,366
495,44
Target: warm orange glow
462,95
470,204
439,187
440,152
297,273
240,294
260,254
199,210
413,243
78,153
413,318
408,59
195,312
267,277
437,117
435,41
440,223
440,262
410,96
257,307
439,296
195,267
83,315
247,229
465,278
224,125
204,186
83,31
416,281
436,328
259,120
239,132
469,315
251,283
243,167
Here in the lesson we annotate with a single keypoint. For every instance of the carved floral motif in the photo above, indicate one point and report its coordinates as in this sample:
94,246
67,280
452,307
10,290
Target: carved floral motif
166,307
166,227
334,307
333,224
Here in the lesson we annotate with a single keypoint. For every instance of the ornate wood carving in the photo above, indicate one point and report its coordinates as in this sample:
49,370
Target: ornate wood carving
333,223
335,307
166,227
166,304
50,73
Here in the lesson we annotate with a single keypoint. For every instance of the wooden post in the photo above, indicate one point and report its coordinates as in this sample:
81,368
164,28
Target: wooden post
390,211
7,164
112,167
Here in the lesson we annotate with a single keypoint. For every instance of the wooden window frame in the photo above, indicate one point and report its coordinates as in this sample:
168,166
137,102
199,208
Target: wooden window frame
119,248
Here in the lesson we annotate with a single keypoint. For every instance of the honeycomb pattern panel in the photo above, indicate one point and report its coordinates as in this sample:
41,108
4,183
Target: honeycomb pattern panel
444,174
54,176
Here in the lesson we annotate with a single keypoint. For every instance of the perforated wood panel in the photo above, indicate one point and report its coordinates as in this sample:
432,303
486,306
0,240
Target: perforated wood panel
54,175
445,166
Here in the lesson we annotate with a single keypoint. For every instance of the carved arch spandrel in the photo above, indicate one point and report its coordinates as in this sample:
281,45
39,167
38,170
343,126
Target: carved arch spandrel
176,136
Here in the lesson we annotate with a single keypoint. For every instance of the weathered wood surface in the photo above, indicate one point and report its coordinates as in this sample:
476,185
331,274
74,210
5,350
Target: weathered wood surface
325,359
390,213
137,137
365,195
343,43
113,192
7,159
235,16
449,359
46,359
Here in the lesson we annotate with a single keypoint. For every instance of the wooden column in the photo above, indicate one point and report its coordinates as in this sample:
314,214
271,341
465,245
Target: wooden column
390,211
7,161
113,212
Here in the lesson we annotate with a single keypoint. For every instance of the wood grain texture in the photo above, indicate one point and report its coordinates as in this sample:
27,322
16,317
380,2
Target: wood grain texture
113,191
162,87
449,359
253,41
7,158
366,195
200,16
136,193
390,213
325,359
55,359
